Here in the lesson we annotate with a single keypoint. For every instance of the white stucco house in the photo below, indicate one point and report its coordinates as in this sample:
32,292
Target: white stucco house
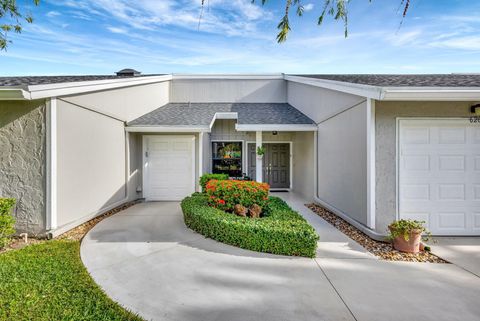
370,148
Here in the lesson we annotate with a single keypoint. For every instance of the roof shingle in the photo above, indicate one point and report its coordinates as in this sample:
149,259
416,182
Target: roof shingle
425,80
201,114
46,80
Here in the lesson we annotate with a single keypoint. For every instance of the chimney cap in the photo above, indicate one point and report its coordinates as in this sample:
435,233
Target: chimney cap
128,72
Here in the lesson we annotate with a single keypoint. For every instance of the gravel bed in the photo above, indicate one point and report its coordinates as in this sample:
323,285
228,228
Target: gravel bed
382,250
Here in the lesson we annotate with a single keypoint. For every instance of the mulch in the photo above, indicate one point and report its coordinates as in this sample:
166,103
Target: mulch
75,234
383,250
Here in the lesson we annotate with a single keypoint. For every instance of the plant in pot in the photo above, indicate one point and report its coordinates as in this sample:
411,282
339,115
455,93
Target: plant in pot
406,235
260,151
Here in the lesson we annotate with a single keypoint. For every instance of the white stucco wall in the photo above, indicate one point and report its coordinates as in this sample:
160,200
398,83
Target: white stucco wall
91,163
319,103
126,103
303,164
228,90
342,146
342,162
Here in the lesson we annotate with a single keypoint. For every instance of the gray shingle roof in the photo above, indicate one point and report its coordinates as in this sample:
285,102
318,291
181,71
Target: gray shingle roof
201,114
24,81
432,80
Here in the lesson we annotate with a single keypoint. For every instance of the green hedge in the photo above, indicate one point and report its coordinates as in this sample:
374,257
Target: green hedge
207,177
280,231
7,222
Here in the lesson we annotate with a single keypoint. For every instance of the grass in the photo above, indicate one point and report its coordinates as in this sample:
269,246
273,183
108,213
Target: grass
48,281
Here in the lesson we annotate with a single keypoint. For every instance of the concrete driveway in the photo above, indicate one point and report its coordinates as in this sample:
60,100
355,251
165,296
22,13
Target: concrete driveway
461,251
146,259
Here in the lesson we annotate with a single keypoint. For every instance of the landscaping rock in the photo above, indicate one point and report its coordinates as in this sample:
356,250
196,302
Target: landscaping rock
240,210
255,211
382,250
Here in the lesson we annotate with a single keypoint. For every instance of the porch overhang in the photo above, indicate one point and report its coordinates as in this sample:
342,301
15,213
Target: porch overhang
200,117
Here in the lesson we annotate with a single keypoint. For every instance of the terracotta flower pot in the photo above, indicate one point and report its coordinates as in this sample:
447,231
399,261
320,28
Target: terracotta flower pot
410,246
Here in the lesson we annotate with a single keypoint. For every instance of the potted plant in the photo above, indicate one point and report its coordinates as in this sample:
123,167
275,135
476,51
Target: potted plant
406,235
260,151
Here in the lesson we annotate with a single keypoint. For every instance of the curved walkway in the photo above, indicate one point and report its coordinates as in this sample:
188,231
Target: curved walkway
146,259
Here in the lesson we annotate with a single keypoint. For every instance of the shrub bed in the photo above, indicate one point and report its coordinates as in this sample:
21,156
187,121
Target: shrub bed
205,178
7,222
224,195
281,230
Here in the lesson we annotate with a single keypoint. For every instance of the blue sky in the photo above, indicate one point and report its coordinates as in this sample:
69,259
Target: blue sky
235,36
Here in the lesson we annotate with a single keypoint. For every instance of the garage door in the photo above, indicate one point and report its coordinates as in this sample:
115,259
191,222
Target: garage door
169,162
439,174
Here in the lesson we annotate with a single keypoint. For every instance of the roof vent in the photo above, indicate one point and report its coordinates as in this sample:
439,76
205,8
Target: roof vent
128,73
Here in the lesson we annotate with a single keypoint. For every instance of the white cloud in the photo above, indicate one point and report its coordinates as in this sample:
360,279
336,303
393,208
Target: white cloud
228,17
52,14
464,43
308,7
117,30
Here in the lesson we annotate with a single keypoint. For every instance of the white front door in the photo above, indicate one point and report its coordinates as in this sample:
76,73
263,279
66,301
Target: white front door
439,174
169,167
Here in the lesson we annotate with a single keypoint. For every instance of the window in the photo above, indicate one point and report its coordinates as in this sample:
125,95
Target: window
227,158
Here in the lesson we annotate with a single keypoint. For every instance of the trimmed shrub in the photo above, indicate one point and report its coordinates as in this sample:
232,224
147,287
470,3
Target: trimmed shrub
224,195
7,222
207,177
281,230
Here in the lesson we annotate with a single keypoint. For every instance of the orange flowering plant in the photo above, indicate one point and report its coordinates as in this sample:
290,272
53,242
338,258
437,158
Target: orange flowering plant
225,194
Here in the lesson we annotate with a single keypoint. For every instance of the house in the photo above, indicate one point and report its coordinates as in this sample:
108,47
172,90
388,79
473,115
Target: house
371,148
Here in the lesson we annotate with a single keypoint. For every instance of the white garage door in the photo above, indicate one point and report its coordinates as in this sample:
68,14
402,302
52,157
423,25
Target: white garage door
439,174
169,167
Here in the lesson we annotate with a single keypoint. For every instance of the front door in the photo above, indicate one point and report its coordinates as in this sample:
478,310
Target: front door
276,164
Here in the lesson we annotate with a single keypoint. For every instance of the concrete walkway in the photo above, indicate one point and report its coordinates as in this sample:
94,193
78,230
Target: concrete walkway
146,259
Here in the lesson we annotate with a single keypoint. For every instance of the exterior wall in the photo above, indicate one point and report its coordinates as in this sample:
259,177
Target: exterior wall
23,160
227,91
91,163
135,166
342,147
342,162
303,164
386,142
126,103
319,103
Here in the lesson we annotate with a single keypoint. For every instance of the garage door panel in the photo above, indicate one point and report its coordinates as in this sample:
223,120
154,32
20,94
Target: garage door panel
416,162
451,221
452,135
413,135
476,221
415,192
439,174
419,217
169,171
476,135
451,162
448,192
476,161
476,192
